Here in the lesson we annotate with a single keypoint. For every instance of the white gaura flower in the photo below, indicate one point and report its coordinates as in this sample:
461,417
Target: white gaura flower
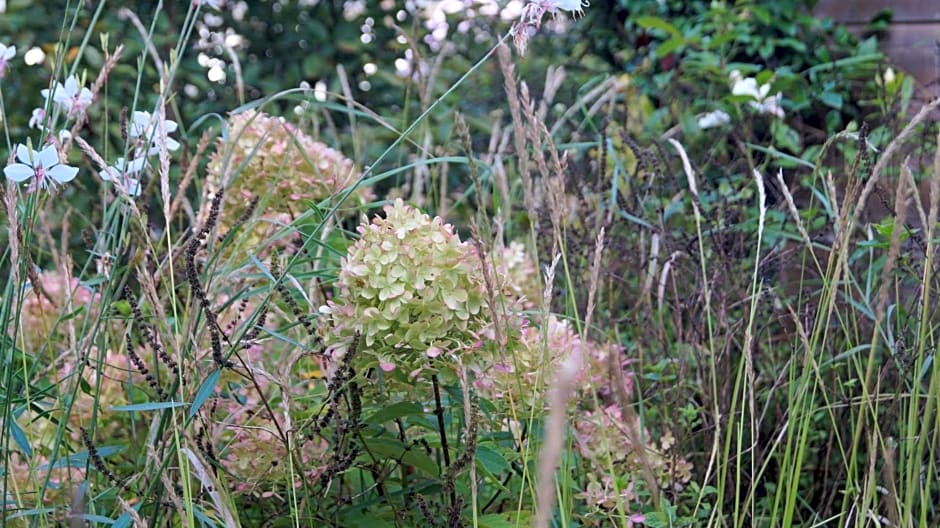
530,19
71,97
38,120
575,7
124,174
43,167
214,4
144,126
6,53
713,119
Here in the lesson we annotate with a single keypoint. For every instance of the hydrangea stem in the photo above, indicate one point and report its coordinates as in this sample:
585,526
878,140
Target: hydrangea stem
439,411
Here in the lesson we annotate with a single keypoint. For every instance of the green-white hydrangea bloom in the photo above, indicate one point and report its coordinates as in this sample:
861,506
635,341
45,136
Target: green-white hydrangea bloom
411,290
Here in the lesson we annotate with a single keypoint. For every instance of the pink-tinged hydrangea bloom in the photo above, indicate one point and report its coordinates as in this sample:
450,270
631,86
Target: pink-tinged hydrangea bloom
71,97
144,126
44,304
6,53
530,366
43,167
517,269
412,291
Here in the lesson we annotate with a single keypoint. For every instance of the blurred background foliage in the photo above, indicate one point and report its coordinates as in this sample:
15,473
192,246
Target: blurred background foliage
394,58
391,54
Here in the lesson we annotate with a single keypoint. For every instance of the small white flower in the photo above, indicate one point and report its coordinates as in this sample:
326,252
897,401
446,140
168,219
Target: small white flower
748,87
576,7
71,97
39,119
770,105
43,166
6,53
122,173
889,76
215,4
144,126
713,119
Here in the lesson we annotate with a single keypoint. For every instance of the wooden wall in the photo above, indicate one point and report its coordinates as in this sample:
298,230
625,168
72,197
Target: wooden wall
912,39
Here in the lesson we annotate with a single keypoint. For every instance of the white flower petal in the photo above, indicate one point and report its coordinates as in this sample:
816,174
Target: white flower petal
71,86
132,187
18,172
713,119
25,156
136,165
110,174
62,173
48,157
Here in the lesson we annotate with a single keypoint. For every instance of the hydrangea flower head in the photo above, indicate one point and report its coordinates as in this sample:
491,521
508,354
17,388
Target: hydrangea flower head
524,375
266,157
43,167
412,291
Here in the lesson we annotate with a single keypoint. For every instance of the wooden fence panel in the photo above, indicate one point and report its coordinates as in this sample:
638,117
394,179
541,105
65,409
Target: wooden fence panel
911,42
861,11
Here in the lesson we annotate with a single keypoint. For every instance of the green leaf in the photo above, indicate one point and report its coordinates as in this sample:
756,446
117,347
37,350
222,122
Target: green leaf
652,22
669,46
786,137
491,460
205,390
390,448
394,411
149,406
20,438
831,99
495,520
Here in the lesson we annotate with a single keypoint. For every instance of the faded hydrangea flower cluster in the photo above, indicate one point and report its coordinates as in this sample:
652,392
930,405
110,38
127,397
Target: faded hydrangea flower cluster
607,433
520,275
526,373
267,158
26,476
44,304
273,155
256,456
411,289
